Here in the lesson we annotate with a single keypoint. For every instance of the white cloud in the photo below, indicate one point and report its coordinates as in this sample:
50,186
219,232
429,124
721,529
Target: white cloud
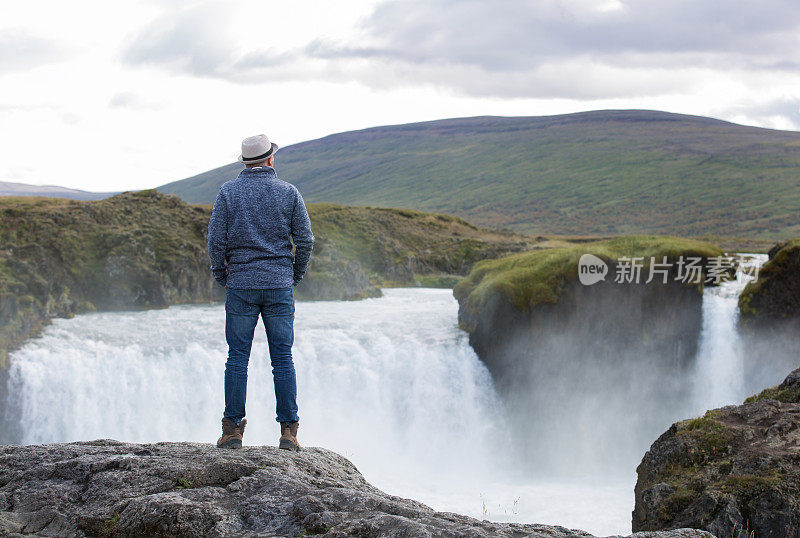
133,101
20,50
194,40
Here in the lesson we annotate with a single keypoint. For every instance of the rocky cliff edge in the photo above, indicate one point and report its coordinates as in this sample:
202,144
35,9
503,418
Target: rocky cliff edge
734,471
109,488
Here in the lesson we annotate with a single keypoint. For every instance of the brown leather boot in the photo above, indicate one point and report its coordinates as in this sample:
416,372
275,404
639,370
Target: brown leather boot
288,440
231,433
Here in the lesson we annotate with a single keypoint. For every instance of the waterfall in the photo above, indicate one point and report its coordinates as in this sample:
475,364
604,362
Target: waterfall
719,378
375,377
391,383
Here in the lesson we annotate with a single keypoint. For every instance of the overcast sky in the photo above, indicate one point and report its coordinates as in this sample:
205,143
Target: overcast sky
119,95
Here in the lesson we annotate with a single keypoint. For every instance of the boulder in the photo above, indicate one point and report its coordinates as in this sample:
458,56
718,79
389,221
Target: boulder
734,471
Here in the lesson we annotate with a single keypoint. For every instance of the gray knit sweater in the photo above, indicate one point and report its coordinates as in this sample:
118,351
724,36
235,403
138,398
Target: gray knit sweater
255,219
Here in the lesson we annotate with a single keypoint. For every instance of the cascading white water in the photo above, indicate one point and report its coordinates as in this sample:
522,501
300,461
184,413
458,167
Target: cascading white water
375,375
390,383
719,368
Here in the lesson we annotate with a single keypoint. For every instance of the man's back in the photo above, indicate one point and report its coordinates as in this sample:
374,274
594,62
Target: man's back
255,218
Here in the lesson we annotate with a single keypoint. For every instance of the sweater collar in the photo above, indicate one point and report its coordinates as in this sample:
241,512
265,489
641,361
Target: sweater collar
265,172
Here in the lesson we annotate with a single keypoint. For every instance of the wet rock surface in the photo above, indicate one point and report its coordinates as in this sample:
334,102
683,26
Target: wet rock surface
109,488
733,472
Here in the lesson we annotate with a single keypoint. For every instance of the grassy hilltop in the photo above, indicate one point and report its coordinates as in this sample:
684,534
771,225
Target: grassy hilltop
591,173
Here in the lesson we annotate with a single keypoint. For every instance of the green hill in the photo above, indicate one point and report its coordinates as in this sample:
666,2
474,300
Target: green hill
50,191
602,172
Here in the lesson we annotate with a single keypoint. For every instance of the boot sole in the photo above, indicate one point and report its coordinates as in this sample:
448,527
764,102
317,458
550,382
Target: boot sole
288,445
233,443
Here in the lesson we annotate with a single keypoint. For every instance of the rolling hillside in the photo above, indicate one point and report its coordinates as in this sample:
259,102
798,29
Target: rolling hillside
603,172
22,189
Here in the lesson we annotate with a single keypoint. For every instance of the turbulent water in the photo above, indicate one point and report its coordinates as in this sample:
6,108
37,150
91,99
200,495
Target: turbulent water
724,371
390,383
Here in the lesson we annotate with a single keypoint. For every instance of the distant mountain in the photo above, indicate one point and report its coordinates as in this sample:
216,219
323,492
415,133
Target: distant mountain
50,191
602,172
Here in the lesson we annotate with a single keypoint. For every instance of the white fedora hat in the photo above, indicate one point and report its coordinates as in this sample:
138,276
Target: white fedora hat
256,149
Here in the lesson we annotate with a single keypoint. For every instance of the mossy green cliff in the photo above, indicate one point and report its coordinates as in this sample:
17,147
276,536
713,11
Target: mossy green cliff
61,257
539,276
775,296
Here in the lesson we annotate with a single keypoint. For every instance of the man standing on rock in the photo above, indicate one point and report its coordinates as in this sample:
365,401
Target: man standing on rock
256,218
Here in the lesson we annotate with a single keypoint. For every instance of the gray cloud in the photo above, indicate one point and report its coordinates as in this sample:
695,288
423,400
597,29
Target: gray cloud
188,40
132,101
511,37
508,34
504,48
786,108
22,51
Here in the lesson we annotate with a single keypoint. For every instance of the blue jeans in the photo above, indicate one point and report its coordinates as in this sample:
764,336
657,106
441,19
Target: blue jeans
276,308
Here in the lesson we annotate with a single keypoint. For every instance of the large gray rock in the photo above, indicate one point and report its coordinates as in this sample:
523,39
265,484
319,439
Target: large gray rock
734,471
190,489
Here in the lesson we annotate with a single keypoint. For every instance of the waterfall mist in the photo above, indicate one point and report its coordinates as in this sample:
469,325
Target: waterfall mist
591,382
591,413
